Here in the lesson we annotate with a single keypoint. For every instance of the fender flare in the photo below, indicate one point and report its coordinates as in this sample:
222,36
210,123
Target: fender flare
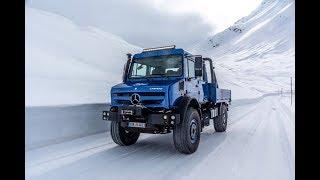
182,103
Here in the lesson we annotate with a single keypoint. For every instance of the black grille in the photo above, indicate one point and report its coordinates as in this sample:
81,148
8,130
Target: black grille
145,102
124,102
152,102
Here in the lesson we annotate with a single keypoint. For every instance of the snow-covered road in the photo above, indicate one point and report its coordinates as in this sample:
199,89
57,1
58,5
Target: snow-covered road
258,144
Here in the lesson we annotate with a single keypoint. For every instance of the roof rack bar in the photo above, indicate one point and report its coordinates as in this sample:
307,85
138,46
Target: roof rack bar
159,48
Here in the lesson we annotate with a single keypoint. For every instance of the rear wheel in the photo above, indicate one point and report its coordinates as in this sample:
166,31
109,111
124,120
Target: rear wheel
220,122
186,135
121,136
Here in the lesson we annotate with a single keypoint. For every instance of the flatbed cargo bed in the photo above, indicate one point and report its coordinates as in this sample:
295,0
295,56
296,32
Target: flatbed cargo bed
216,95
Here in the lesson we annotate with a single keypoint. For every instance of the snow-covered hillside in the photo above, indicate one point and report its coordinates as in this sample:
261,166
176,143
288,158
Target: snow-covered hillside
256,55
69,64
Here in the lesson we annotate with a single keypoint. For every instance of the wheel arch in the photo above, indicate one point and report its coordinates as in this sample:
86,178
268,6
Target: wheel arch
184,102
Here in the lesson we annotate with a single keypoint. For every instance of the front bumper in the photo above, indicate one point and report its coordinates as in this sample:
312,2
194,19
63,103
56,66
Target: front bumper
141,114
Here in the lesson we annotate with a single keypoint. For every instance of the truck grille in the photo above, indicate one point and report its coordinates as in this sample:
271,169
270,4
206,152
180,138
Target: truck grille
141,94
147,98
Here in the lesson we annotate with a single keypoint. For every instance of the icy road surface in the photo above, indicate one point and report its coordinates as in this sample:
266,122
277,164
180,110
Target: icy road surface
258,144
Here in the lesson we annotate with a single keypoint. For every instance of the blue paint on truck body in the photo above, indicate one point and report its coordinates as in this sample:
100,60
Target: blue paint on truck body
155,94
163,92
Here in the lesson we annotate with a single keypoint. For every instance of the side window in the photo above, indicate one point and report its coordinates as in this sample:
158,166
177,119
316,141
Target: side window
204,73
191,68
139,70
214,80
207,64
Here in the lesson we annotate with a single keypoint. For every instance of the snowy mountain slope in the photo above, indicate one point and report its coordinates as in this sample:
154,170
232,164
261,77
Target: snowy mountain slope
256,54
69,64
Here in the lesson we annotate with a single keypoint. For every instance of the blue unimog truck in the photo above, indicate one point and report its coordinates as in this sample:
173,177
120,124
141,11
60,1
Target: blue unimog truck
166,90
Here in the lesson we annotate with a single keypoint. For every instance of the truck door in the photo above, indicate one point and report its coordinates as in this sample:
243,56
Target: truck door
192,83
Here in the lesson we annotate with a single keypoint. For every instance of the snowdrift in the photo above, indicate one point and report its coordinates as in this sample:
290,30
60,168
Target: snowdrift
69,64
255,56
69,73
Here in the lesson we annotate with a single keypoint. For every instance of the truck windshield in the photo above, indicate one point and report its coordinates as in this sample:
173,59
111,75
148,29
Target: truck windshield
168,65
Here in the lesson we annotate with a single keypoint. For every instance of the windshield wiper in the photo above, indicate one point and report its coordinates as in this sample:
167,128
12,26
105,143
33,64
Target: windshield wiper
162,75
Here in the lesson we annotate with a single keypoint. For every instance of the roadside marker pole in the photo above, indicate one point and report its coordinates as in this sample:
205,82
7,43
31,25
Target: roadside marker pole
291,90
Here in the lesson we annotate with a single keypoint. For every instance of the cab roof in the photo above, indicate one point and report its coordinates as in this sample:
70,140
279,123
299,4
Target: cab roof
160,52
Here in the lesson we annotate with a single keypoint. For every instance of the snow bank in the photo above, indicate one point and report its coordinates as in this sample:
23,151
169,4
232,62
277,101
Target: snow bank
69,64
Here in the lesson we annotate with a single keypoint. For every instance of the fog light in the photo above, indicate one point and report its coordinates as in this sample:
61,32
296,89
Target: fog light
114,109
165,117
173,117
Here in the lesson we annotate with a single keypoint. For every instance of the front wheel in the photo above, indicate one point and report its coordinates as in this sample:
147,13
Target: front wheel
186,135
121,136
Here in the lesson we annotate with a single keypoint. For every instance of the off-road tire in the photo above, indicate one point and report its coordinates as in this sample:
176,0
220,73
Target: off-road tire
184,140
121,136
220,122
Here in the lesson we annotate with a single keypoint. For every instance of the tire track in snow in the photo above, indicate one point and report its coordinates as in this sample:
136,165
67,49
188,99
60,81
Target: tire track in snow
65,159
252,150
236,135
68,155
238,119
285,142
287,111
247,139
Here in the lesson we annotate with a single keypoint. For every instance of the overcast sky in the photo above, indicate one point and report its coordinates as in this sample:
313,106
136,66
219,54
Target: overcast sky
148,23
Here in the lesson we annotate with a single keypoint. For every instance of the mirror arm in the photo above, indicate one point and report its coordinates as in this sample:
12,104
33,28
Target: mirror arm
129,59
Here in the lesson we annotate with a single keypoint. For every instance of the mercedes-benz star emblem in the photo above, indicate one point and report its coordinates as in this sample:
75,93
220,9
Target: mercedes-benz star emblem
135,98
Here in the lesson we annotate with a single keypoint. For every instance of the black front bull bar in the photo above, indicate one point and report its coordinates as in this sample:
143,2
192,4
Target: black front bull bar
125,114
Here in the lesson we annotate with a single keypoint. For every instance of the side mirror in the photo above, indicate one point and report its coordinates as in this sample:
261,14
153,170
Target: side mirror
198,66
124,72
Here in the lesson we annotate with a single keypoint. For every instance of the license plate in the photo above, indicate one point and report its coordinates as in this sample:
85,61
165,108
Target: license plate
137,124
126,112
